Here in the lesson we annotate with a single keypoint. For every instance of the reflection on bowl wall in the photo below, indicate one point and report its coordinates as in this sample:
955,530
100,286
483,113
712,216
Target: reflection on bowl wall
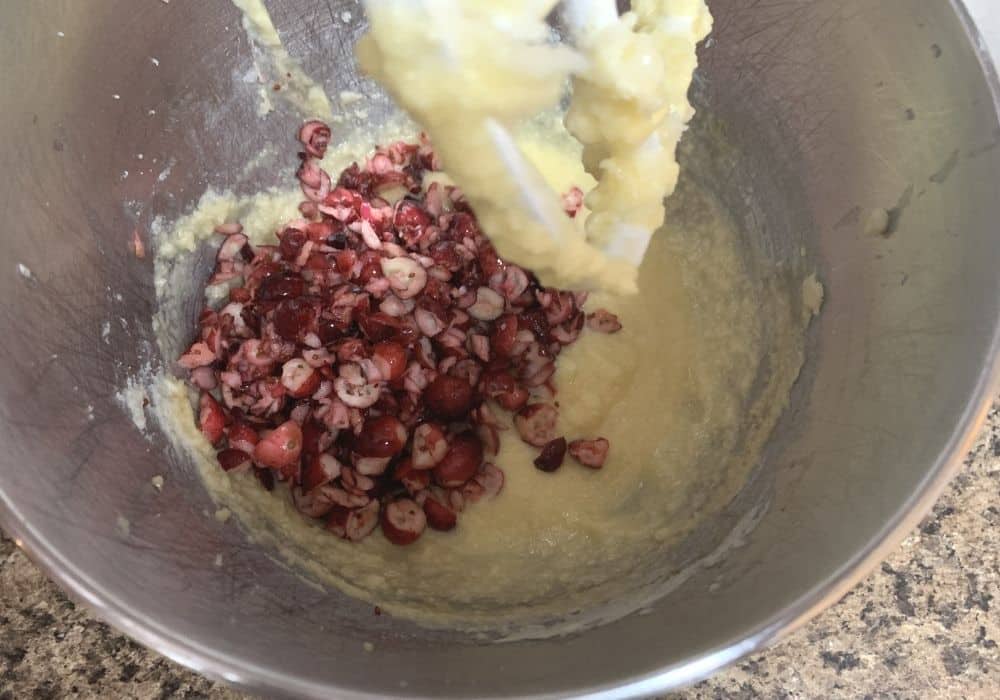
830,109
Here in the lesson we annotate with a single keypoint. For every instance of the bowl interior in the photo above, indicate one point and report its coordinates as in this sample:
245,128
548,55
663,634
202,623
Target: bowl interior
813,117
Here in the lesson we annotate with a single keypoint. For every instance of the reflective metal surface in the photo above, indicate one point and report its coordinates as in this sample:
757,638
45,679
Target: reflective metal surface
829,108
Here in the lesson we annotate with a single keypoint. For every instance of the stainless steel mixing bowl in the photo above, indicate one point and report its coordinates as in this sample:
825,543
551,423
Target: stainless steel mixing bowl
827,108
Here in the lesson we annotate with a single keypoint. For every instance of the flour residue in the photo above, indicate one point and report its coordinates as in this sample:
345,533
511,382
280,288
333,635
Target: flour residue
274,65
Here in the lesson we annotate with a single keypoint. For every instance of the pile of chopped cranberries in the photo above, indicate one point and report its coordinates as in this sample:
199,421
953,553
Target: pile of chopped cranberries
367,357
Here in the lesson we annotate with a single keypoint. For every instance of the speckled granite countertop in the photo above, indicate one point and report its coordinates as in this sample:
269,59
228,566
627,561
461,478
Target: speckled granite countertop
924,624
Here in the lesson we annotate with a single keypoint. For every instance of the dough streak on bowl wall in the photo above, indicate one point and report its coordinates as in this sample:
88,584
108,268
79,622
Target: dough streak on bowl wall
677,393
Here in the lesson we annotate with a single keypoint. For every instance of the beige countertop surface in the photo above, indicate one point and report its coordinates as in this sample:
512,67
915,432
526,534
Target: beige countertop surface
924,624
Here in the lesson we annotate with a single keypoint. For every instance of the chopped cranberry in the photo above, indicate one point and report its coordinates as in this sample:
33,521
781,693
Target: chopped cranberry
590,453
378,326
552,455
449,397
504,389
291,242
232,460
535,321
384,436
391,358
283,286
293,317
314,434
439,516
403,521
315,136
460,462
211,419
364,355
281,447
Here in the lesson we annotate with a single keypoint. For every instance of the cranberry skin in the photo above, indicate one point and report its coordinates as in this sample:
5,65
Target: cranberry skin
504,335
312,433
439,516
378,326
371,267
230,459
449,397
504,389
281,448
552,455
464,226
393,355
410,220
461,462
384,436
291,243
535,321
403,521
445,254
284,286
293,318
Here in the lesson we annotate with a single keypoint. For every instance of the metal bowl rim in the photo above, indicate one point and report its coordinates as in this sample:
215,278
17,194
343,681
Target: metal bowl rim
234,670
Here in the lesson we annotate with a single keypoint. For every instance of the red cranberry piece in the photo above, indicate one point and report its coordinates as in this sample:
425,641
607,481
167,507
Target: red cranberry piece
590,453
504,335
281,448
232,460
211,418
292,318
284,286
384,436
315,136
410,214
391,359
439,516
464,226
299,379
504,389
242,437
536,423
449,397
413,480
345,261
445,254
354,178
403,521
410,220
603,321
251,318
240,294
320,231
552,455
437,292
535,321
378,326
489,261
461,462
387,404
328,331
371,267
354,525
291,242
492,479
319,469
429,446
313,436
